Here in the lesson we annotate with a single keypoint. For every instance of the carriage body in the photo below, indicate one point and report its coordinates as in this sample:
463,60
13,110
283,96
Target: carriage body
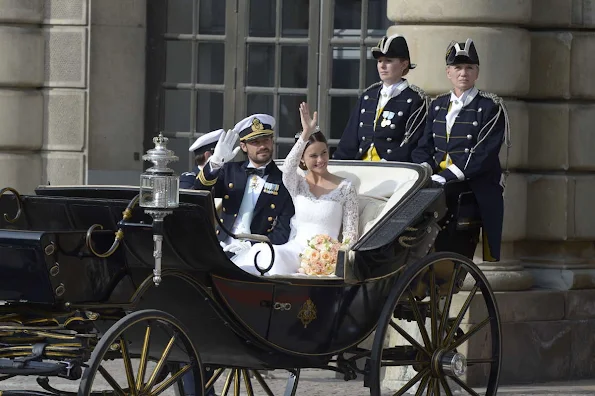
54,277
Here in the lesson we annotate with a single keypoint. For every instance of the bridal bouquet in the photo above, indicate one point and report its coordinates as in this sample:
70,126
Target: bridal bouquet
320,256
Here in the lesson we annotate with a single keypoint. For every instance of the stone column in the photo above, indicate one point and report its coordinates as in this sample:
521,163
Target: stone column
504,48
505,52
559,251
21,101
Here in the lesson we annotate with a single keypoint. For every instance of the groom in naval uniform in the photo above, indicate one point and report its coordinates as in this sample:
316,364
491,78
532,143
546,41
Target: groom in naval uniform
203,148
254,198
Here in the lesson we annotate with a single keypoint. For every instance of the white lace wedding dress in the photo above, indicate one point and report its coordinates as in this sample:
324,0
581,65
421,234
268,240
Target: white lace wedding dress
323,215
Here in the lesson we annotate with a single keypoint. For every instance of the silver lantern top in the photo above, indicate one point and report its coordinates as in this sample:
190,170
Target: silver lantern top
159,185
160,156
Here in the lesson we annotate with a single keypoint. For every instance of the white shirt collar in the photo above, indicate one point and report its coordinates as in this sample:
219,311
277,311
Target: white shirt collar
390,90
251,165
466,98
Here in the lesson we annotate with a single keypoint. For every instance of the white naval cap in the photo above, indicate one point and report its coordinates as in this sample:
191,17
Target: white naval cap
206,142
255,126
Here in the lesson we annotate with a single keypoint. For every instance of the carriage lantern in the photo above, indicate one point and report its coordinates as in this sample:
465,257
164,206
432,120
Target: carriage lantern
159,194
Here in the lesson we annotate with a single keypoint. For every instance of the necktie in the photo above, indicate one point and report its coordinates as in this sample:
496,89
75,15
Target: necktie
255,171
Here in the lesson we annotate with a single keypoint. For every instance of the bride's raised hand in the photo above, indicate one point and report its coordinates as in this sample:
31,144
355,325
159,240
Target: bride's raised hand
309,123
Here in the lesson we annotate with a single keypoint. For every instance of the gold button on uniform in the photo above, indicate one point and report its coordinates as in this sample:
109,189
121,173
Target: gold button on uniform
224,209
272,206
217,232
270,219
230,185
226,196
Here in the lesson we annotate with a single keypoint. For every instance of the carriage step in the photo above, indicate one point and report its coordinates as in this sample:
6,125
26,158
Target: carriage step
12,367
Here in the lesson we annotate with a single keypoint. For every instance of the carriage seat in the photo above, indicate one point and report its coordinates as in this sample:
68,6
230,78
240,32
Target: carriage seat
380,186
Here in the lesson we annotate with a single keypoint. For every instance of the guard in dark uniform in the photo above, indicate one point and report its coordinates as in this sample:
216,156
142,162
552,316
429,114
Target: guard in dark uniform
390,115
254,197
203,148
464,132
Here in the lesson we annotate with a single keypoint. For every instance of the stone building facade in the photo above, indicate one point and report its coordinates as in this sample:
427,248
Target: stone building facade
74,94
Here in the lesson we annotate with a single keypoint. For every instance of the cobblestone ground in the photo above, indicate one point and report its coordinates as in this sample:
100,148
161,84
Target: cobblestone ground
319,383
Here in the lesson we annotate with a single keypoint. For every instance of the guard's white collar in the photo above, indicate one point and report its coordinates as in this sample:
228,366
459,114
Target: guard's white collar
466,98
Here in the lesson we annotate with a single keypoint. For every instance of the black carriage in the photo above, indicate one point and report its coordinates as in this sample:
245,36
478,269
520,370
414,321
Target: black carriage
79,301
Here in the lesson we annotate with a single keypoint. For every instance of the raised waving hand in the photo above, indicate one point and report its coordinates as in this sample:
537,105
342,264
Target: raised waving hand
309,123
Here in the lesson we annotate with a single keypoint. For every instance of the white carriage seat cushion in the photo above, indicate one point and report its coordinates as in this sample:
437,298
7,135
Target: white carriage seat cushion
369,209
393,201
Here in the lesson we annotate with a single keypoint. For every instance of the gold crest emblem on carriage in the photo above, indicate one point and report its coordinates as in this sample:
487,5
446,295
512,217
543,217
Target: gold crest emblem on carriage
257,125
307,313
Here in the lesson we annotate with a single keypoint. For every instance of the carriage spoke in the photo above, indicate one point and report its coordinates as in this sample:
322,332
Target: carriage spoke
445,386
214,378
480,361
142,366
110,380
433,324
236,383
262,383
160,363
430,390
127,366
422,385
437,386
412,381
464,386
227,382
398,363
468,334
174,377
451,286
418,318
248,383
409,338
459,318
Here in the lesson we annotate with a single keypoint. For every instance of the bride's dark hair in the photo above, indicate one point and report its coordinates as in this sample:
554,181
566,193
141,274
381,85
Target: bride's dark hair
315,137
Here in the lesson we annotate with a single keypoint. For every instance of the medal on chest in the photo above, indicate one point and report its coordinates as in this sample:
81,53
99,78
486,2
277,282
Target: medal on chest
387,116
253,182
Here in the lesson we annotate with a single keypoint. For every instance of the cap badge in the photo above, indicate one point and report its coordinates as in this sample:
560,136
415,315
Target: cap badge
257,125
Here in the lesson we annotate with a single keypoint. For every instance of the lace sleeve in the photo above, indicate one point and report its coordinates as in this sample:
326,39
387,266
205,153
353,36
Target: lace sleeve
291,178
350,216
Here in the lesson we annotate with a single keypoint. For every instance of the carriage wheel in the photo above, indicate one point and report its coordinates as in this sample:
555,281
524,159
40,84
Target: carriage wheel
248,382
456,344
160,338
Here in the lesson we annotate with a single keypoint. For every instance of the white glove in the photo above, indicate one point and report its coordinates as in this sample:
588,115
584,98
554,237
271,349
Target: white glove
439,179
224,150
236,247
427,166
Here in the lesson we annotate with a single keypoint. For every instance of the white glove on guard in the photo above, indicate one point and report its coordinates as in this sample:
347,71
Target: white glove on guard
439,179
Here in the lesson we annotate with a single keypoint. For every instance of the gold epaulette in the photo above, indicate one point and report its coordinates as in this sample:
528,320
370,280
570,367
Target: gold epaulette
204,181
495,98
376,84
442,95
419,91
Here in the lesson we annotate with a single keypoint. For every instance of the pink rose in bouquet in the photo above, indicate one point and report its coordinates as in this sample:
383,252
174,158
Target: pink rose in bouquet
320,256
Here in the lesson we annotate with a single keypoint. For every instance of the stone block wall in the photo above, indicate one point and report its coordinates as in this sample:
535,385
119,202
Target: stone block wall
43,94
71,91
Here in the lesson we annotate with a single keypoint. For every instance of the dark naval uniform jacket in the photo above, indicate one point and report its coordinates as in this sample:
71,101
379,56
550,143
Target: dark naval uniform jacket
399,125
274,207
474,147
187,178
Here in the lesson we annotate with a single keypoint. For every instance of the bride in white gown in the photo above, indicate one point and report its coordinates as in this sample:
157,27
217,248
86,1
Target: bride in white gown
323,203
